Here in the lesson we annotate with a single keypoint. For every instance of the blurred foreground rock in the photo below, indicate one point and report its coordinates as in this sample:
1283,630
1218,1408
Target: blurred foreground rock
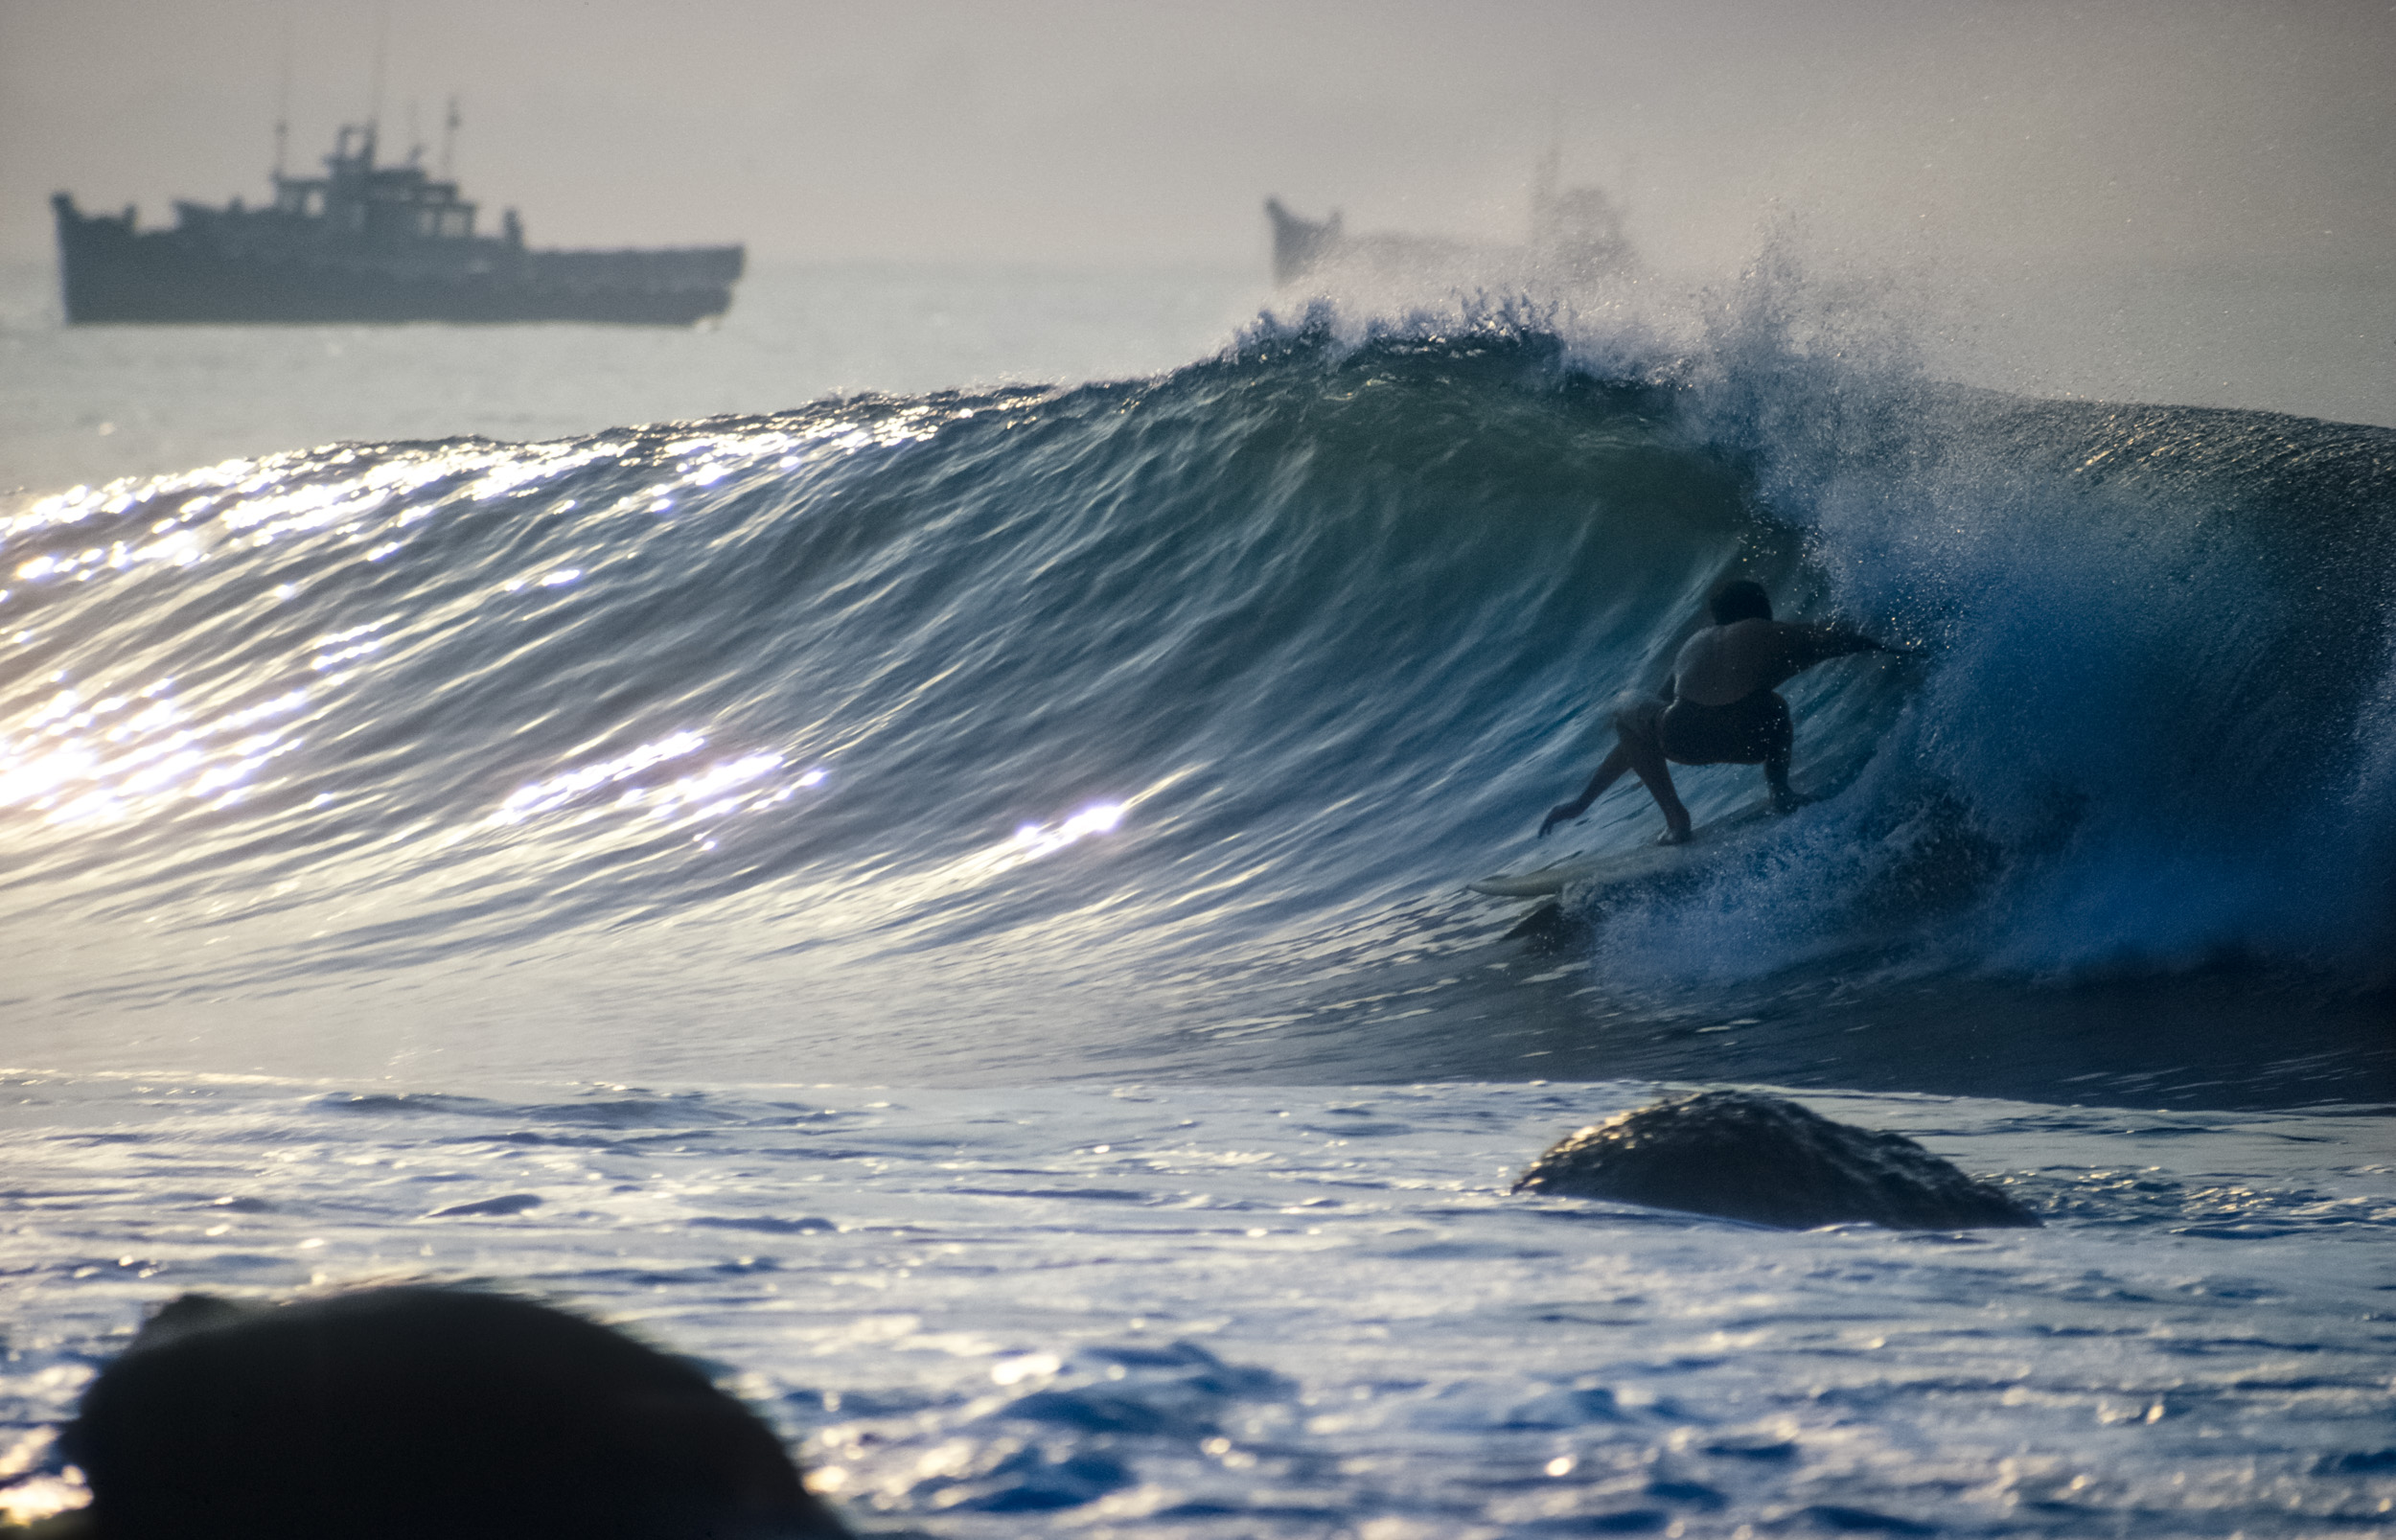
405,1412
1742,1156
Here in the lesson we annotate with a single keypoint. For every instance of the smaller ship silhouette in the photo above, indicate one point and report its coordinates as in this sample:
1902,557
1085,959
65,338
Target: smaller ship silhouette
368,242
1576,234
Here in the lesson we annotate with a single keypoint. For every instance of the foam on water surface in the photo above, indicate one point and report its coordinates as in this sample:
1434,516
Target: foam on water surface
1172,1310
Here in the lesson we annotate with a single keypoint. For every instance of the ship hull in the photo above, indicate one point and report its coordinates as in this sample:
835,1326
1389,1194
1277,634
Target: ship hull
111,273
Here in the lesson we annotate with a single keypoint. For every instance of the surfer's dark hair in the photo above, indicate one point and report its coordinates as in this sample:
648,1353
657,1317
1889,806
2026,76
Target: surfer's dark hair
1740,599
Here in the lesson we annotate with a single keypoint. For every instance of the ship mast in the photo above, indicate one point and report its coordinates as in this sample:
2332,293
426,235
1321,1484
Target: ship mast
448,138
382,56
283,105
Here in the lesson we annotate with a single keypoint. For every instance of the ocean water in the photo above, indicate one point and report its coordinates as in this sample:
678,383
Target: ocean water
1179,1309
92,404
947,900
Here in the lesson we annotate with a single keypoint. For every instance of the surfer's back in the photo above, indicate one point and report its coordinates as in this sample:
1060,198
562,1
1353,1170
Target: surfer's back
1724,664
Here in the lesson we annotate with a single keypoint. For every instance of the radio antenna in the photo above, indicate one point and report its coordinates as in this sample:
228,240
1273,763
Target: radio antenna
382,56
282,99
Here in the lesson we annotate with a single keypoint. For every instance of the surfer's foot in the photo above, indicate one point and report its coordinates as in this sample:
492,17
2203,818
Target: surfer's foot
1673,837
1785,800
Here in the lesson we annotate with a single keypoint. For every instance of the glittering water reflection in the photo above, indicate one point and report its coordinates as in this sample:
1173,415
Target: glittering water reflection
1032,841
73,761
452,696
745,783
83,755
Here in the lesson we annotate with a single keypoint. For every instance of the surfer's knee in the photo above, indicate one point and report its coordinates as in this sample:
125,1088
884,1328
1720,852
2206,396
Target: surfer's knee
1638,719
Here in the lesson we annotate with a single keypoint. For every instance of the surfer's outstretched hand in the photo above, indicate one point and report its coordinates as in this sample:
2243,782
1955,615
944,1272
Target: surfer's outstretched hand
1561,812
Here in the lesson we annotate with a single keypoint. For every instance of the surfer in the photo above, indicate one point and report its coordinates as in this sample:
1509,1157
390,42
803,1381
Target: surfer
1719,706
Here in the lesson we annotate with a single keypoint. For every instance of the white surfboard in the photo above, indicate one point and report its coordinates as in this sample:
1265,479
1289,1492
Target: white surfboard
1595,873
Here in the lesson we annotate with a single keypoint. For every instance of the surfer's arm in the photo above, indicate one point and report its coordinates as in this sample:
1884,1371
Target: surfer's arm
1809,644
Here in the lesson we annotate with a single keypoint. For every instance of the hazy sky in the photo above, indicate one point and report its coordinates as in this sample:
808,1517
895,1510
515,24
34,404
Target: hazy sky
2021,135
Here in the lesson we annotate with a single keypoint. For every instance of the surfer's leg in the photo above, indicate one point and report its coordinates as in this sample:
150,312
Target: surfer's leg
1629,707
1609,770
1784,798
1642,731
1779,741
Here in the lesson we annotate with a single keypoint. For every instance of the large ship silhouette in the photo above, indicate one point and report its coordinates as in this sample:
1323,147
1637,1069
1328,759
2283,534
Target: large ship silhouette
368,242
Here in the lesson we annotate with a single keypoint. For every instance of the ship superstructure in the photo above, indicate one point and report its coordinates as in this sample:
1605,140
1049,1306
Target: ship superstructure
368,242
1575,237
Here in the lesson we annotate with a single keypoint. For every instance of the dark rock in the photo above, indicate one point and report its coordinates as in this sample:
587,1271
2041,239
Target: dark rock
1761,1159
397,1414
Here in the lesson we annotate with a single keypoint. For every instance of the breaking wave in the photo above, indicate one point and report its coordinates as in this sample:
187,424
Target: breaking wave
1159,723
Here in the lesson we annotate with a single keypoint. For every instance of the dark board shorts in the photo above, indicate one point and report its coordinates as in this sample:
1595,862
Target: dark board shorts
1744,732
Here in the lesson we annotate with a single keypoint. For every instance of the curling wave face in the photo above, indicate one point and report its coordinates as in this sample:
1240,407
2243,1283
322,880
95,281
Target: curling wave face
1151,727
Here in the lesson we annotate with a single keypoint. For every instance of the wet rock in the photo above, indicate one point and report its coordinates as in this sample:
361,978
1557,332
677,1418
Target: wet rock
1742,1155
397,1414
